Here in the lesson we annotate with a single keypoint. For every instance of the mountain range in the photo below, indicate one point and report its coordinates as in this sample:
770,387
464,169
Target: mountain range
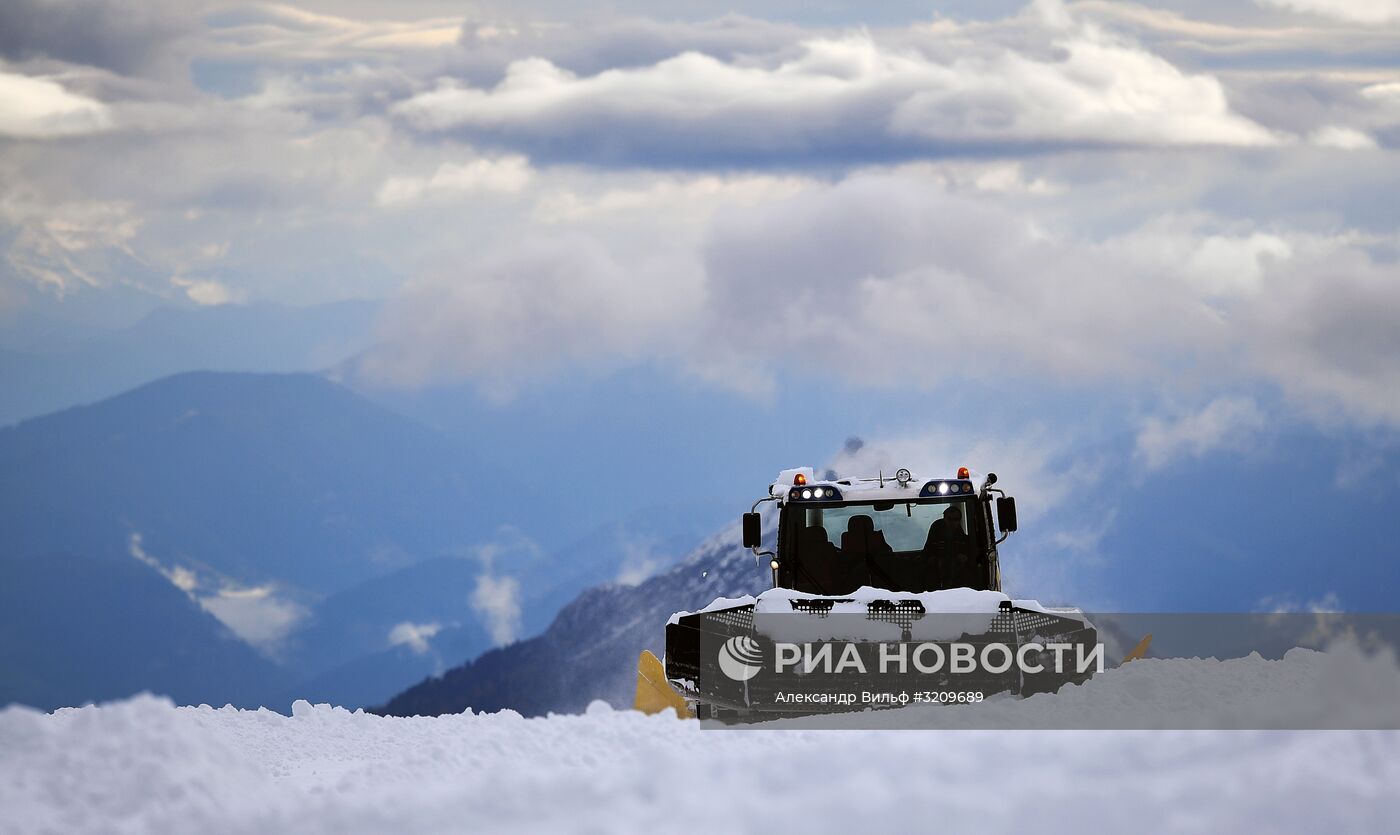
590,650
90,363
302,540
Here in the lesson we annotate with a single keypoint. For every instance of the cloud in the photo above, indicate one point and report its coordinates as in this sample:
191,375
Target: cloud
845,98
1347,139
67,246
258,615
831,280
181,578
536,303
127,36
496,600
1388,91
1352,11
204,291
496,597
639,560
503,175
1119,209
827,277
1055,553
1224,423
1280,604
40,108
415,636
594,44
1029,463
694,197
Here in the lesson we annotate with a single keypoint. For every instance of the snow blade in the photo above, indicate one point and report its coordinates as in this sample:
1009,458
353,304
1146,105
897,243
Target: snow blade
654,693
1140,650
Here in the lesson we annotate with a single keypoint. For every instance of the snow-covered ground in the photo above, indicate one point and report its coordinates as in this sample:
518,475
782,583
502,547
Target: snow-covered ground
143,765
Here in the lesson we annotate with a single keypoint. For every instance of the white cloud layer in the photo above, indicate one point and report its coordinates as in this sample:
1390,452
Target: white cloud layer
842,278
1346,139
1224,425
540,302
496,600
40,108
259,615
415,636
506,175
1093,195
1029,463
847,97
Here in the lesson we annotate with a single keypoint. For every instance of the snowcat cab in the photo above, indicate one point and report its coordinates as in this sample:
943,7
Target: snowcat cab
901,534
881,566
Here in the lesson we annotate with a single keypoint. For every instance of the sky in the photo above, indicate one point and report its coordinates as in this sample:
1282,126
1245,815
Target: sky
1100,246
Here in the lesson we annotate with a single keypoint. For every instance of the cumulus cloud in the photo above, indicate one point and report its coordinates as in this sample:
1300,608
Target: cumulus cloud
415,636
204,291
496,600
1029,463
694,197
1223,424
502,175
827,279
40,108
127,36
593,44
1326,330
259,615
181,578
531,304
1120,208
495,597
845,98
1347,139
831,279
1387,91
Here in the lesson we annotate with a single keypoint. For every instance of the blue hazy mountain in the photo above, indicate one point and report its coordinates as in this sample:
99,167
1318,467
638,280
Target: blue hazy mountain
345,636
78,629
283,482
590,650
90,363
359,518
249,477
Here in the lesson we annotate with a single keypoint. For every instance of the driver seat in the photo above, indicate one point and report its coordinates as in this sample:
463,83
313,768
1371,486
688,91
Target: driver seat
862,540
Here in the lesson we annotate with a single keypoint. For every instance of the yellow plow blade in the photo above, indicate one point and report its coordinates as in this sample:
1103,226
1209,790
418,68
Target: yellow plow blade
654,692
1140,650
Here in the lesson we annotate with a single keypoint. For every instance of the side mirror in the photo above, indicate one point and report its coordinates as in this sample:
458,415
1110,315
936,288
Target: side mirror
1006,514
753,530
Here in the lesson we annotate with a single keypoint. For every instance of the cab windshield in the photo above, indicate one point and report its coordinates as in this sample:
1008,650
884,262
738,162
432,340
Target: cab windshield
900,546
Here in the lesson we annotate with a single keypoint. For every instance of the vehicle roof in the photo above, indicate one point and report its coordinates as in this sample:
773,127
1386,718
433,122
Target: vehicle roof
881,487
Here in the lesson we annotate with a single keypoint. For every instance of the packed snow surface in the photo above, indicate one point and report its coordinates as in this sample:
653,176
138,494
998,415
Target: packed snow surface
143,765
